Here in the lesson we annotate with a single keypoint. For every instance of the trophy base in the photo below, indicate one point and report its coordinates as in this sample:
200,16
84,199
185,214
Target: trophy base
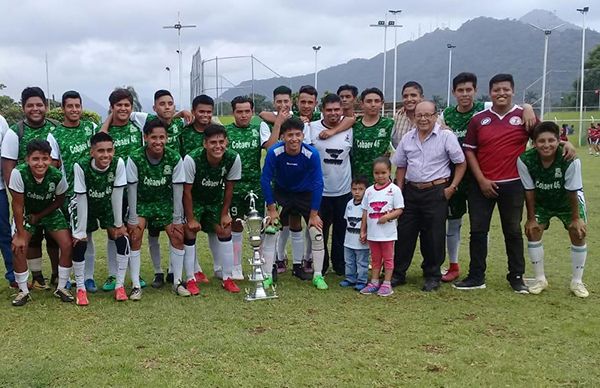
252,298
259,294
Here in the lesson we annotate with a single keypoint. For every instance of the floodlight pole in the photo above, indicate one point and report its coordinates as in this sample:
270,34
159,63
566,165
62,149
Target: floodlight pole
178,26
384,24
168,69
316,48
450,47
395,12
583,11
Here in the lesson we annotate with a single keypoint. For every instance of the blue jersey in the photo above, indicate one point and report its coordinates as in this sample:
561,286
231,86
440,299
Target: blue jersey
293,173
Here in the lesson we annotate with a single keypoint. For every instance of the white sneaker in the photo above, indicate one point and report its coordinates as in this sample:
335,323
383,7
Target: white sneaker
181,290
538,286
238,274
579,289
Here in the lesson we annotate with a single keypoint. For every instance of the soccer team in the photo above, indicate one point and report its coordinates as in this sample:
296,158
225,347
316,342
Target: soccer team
181,172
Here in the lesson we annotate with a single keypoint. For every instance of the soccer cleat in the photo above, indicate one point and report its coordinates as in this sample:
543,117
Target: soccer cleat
319,282
307,266
230,286
385,290
299,272
81,298
538,286
181,290
38,283
21,299
370,289
109,284
64,295
159,280
450,275
268,282
192,287
346,283
579,290
136,294
201,277
281,266
518,285
120,294
90,285
238,274
142,283
469,284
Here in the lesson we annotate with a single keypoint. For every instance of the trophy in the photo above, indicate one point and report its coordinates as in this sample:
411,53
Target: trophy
254,225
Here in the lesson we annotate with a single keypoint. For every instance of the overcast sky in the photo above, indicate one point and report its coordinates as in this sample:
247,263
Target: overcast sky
94,46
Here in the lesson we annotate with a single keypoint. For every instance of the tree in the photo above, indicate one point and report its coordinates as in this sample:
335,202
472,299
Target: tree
58,115
483,98
10,109
591,82
531,97
261,103
439,101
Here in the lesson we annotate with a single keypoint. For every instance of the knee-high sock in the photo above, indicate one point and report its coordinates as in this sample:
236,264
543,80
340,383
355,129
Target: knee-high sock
79,272
90,258
189,259
297,246
21,279
236,237
135,263
63,276
225,252
177,258
154,247
111,258
282,238
268,252
453,239
536,255
213,243
578,257
307,245
123,261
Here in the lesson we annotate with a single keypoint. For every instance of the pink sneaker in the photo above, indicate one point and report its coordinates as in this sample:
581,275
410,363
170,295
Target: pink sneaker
385,290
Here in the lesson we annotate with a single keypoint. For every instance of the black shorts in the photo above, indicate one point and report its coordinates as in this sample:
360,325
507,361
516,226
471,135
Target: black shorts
293,204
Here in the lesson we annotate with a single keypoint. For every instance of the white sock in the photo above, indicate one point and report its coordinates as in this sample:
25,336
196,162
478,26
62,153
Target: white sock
122,261
282,239
578,256
268,252
111,258
307,245
297,246
90,258
453,239
154,247
225,252
536,255
21,279
236,237
189,258
135,262
79,271
35,265
177,257
213,243
63,276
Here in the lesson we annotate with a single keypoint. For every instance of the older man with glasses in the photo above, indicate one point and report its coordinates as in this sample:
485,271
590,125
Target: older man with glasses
423,172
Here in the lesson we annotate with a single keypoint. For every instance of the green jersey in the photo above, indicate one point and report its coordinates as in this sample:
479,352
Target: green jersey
247,143
458,121
173,131
38,195
17,149
70,145
127,138
208,181
368,144
190,140
98,185
553,183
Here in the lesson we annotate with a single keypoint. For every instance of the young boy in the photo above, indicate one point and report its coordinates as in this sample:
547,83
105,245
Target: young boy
554,188
356,253
99,182
38,192
154,191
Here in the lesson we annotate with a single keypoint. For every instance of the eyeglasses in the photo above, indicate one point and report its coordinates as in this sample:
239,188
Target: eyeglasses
426,116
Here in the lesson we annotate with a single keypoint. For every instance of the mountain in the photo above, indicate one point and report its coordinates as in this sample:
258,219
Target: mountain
94,106
484,46
546,19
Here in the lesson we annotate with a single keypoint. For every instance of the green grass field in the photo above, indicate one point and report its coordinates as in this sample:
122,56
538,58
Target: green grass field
490,337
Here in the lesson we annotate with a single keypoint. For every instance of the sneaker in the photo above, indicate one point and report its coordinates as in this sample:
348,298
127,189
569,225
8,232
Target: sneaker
359,286
169,278
159,280
237,273
142,283
578,288
538,286
120,294
299,272
109,284
81,298
230,286
450,275
192,287
469,284
345,283
136,293
201,277
268,282
64,295
370,289
181,290
385,290
281,266
39,283
90,285
518,285
319,282
307,266
21,299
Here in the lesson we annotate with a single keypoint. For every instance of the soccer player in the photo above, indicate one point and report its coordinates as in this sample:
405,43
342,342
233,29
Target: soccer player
70,142
99,183
371,134
5,231
553,188
245,138
154,191
295,170
210,176
14,145
38,192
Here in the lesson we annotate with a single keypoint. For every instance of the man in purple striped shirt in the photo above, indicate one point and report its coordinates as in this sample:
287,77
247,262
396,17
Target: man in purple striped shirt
423,159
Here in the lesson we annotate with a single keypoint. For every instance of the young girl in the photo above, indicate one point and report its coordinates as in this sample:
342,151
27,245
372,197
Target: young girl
382,205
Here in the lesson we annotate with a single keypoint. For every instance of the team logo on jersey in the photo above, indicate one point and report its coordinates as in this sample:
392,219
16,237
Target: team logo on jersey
51,187
486,121
515,120
558,173
168,170
254,132
381,132
111,177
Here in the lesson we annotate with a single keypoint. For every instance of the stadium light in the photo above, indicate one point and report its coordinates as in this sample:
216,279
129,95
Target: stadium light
583,11
178,26
450,47
385,25
395,12
316,48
